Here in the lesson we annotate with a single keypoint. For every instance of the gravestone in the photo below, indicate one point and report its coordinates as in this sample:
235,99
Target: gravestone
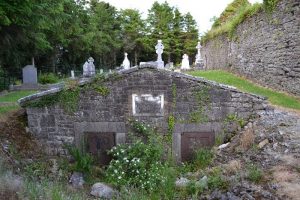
159,50
185,64
72,74
89,67
199,61
101,71
169,65
126,62
29,75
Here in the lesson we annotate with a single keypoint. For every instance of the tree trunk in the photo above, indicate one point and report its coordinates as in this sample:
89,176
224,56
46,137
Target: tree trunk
115,59
32,60
135,58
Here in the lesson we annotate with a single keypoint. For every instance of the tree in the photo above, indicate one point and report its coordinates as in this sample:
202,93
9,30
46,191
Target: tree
191,35
160,23
132,29
177,43
104,33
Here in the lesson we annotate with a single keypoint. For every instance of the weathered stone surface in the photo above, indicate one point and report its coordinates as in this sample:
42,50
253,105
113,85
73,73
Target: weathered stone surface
29,75
102,190
182,182
265,49
76,180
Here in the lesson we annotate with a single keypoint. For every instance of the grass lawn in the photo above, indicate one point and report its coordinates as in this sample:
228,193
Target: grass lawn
274,97
9,103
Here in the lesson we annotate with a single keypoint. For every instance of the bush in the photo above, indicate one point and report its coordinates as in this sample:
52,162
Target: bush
216,180
203,157
138,164
48,78
83,161
270,5
254,174
194,189
229,26
37,169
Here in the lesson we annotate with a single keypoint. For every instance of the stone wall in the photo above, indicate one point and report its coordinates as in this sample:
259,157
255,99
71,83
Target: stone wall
196,104
265,48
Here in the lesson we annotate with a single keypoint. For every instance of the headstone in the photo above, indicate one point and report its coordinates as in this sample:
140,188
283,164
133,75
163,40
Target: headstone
169,65
89,67
101,71
29,75
126,62
159,50
199,61
72,74
185,64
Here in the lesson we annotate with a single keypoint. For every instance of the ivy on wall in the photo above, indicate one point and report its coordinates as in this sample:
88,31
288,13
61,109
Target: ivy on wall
68,98
203,100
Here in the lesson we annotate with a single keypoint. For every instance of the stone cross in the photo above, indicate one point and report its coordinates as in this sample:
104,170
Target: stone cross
185,64
159,50
89,67
198,56
126,62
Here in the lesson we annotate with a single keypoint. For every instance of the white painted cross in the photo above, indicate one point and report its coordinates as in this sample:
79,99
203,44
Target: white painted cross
159,50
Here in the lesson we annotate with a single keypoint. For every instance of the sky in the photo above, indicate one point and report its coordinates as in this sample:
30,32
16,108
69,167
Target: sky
202,10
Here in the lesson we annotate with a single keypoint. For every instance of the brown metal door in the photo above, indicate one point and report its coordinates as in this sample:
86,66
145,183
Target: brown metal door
98,144
191,141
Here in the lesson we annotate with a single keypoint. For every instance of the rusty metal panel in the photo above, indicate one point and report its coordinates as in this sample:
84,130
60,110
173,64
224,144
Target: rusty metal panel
98,144
191,141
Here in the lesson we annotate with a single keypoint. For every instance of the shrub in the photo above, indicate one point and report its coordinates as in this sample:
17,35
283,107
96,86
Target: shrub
229,26
37,169
203,157
48,78
216,180
83,161
254,174
247,139
270,5
193,188
138,164
49,190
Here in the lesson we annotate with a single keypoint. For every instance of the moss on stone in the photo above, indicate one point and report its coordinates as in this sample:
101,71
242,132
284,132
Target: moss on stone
203,100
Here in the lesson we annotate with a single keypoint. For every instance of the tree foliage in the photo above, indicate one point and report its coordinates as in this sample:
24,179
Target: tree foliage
61,34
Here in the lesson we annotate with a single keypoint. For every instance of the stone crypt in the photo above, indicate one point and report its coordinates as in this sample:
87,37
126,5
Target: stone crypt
202,111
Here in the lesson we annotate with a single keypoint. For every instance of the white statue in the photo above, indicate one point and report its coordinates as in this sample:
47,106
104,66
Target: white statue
89,67
72,74
185,64
199,60
159,50
126,62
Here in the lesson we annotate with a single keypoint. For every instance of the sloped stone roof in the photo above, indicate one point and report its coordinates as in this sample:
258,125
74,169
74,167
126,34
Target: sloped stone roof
83,81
